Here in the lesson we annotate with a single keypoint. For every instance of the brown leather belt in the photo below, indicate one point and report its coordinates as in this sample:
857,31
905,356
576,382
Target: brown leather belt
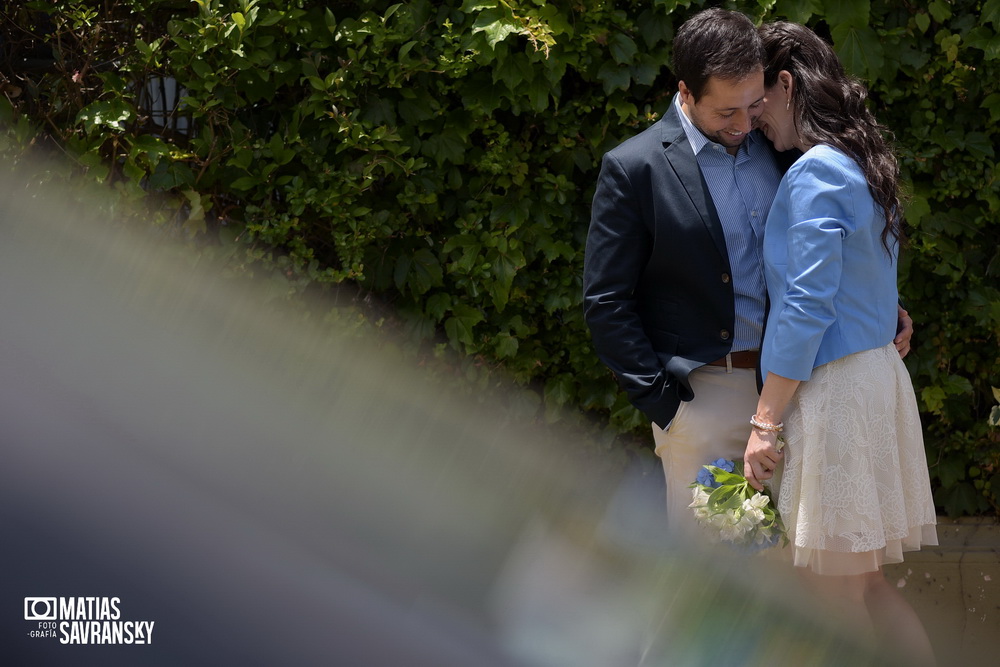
743,359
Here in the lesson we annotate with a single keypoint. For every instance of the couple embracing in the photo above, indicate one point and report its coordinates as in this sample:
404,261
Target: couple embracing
768,193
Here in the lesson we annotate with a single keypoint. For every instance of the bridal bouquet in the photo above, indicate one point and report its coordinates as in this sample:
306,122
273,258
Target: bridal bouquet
733,511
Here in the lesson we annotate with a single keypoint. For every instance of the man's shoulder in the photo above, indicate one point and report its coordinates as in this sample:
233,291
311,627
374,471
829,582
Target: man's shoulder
663,132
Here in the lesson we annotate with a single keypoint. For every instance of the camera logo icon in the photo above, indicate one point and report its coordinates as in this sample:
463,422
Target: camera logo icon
40,609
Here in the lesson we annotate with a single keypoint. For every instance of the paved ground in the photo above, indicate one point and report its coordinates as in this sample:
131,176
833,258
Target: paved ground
956,590
955,587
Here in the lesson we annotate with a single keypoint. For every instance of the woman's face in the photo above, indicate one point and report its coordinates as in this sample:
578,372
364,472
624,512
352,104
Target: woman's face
777,121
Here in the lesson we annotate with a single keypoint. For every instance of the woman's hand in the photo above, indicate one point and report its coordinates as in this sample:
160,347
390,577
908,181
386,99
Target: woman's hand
762,456
904,332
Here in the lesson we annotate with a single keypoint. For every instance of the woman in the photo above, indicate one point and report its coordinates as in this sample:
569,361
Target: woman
854,489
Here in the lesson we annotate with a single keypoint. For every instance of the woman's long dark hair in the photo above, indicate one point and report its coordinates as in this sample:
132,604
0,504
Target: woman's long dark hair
830,109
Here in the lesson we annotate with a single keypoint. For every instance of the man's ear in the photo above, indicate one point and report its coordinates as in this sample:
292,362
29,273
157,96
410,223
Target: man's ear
686,96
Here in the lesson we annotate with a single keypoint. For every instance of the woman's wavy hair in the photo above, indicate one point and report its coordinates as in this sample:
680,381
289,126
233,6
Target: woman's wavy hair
830,109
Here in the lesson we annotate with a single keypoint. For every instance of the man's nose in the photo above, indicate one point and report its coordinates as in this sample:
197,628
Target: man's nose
744,121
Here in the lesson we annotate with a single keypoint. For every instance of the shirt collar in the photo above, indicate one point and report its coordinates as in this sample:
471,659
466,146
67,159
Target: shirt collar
698,140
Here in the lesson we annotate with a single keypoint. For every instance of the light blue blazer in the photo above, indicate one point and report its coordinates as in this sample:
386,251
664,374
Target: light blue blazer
831,283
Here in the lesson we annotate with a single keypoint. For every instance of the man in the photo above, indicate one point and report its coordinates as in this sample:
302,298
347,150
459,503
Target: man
673,281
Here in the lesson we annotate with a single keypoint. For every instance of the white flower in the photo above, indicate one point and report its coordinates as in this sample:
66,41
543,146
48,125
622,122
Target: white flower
753,509
754,521
699,497
732,532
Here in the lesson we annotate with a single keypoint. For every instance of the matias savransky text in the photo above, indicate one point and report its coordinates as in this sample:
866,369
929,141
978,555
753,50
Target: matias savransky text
85,620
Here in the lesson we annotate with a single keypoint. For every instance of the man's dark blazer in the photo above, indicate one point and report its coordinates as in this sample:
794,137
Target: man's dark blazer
658,293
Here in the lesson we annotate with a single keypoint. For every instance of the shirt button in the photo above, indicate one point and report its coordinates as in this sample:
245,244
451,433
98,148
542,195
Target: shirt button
725,278
724,334
753,213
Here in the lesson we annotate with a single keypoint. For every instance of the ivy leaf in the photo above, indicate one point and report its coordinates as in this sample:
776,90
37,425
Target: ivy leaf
195,222
939,10
644,72
623,49
497,25
506,346
991,13
538,94
513,70
154,147
986,40
480,92
848,14
113,114
628,417
420,271
797,11
437,305
933,398
614,77
859,49
504,269
622,107
949,45
655,27
915,59
992,102
979,145
917,209
559,390
460,325
555,249
470,251
415,108
94,163
960,500
923,21
169,175
445,146
470,6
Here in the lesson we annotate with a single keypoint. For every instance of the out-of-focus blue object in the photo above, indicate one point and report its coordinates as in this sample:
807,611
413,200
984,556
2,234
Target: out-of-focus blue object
270,492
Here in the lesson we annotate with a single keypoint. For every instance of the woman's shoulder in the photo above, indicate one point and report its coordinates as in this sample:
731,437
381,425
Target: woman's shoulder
827,163
829,156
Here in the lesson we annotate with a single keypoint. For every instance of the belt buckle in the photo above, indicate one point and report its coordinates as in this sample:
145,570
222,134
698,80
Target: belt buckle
729,362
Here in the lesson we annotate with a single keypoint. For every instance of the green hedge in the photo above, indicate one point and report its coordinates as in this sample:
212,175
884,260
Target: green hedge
442,156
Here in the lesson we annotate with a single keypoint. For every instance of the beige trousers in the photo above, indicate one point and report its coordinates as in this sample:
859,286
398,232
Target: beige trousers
716,424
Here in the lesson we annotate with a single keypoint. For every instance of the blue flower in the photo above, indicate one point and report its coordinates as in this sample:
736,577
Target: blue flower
725,464
706,478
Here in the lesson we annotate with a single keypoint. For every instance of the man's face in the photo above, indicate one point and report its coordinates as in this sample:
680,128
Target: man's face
727,109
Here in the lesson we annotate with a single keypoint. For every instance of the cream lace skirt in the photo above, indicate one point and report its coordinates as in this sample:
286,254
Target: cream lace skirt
854,492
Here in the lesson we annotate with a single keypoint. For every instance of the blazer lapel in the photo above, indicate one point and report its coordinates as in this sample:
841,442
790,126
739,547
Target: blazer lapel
682,160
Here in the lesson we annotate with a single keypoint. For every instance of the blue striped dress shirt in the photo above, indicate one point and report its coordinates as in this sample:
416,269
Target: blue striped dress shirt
742,188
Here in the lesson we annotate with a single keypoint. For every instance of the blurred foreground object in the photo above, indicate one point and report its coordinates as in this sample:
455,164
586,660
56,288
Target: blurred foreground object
265,492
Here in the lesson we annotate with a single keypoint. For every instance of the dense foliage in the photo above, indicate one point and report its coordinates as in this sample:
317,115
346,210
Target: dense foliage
442,157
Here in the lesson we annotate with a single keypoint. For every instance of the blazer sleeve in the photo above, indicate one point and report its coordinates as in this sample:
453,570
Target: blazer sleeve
618,249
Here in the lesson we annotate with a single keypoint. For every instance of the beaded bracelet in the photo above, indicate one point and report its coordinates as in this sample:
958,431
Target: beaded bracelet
764,426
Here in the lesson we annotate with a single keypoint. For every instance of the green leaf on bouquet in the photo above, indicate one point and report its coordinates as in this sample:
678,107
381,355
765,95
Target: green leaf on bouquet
724,477
725,498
